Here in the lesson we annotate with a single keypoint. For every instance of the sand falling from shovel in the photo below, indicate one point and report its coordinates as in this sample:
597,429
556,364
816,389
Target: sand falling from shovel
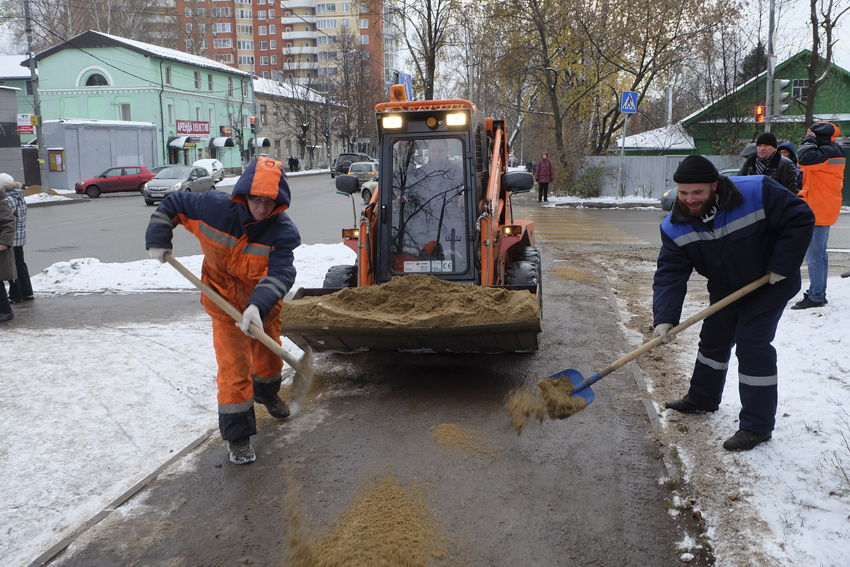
553,397
385,526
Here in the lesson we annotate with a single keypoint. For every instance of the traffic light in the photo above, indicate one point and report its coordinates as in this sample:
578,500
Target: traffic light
779,96
253,124
759,114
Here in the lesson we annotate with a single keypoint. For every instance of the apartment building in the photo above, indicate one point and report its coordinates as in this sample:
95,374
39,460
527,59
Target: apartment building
304,40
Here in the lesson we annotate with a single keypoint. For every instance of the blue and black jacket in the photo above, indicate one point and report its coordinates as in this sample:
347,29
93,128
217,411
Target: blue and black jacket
759,227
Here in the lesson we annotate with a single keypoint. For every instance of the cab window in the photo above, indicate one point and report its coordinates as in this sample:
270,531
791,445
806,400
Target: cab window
429,220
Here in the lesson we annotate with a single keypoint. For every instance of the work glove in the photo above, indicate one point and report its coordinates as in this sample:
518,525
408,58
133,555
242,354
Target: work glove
158,254
249,316
661,330
774,278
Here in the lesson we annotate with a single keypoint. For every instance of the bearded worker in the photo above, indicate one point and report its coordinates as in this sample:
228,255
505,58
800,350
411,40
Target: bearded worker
732,231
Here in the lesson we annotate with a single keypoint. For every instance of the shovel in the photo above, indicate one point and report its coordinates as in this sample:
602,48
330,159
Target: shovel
581,386
303,367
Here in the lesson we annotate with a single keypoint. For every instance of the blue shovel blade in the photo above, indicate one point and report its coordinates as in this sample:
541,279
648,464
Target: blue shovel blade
581,387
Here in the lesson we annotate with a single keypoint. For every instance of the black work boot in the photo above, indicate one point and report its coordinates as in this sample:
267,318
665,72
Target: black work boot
241,452
745,440
687,405
807,303
274,405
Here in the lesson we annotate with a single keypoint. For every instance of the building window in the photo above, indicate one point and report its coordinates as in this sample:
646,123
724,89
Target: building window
264,46
274,59
264,60
29,87
197,80
277,149
345,7
222,28
198,113
271,29
221,13
96,80
244,14
261,14
364,8
223,43
262,30
230,86
245,45
212,118
265,74
346,23
188,28
273,44
364,39
326,24
326,7
800,90
246,60
124,111
364,24
168,75
188,12
224,58
209,82
171,114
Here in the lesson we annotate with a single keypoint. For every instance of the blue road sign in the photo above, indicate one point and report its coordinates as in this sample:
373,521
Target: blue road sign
628,102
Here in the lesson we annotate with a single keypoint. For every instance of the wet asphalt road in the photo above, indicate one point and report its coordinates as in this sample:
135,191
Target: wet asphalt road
581,491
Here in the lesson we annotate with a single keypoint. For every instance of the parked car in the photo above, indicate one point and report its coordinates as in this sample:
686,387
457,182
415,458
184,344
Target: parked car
668,198
344,161
115,179
367,189
364,171
729,172
215,168
177,178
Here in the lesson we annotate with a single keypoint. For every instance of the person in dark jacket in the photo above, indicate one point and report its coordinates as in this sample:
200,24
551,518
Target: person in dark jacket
788,150
544,175
768,161
732,234
7,256
20,289
822,160
248,242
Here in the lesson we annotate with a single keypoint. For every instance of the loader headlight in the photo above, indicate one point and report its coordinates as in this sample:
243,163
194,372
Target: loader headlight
511,230
456,119
350,234
391,122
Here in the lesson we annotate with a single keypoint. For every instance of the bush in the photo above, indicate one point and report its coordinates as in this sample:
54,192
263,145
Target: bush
587,184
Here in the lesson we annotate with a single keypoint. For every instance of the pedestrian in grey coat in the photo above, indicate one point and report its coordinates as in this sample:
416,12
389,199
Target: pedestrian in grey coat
7,257
19,289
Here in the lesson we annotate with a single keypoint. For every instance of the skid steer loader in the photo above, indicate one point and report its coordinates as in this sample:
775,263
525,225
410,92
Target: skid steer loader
442,207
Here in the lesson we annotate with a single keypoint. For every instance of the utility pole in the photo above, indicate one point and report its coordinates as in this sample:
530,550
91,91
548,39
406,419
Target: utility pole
36,105
770,65
257,121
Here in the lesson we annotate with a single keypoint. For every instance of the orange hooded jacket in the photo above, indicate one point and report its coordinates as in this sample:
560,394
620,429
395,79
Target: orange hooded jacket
822,161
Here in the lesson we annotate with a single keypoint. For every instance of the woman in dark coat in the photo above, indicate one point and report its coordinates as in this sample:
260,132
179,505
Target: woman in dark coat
544,175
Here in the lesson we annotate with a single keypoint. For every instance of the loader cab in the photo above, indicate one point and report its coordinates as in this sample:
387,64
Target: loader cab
427,197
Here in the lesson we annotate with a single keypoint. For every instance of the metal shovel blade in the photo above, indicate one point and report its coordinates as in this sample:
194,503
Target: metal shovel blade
581,387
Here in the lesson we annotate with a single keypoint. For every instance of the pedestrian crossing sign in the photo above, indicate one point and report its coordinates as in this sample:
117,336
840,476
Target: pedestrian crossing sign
628,102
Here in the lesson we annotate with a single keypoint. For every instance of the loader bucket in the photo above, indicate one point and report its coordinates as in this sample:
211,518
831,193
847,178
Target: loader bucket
491,337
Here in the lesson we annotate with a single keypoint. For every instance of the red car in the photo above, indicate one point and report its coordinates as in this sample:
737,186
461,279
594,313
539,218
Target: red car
114,179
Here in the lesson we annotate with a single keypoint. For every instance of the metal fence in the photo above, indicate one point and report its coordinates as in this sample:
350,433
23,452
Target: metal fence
642,176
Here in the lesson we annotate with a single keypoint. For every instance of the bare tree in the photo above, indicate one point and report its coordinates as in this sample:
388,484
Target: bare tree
427,26
825,15
55,21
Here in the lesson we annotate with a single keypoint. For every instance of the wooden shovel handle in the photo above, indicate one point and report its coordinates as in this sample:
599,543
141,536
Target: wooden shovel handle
713,308
216,297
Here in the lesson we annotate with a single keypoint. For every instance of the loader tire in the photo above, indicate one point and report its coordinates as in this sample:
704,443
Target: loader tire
527,254
524,272
340,276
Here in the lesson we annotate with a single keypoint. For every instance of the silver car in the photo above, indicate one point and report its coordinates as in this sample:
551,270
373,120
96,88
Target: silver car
177,178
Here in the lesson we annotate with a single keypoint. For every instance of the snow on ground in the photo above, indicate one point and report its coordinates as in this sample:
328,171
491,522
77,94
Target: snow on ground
132,396
799,481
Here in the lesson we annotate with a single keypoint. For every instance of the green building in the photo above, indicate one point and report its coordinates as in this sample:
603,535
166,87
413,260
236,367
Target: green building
201,108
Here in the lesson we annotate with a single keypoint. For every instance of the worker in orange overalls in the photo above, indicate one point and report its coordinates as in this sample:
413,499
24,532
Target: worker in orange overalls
248,242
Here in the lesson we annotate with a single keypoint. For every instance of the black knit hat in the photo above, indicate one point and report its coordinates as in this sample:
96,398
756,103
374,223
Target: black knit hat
767,138
695,169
